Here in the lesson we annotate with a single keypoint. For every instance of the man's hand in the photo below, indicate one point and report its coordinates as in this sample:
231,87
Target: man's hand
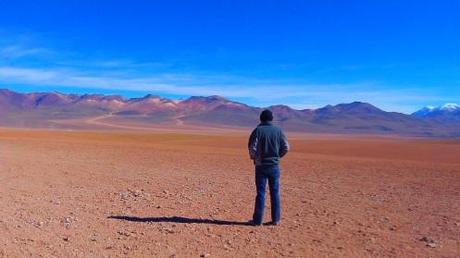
284,146
252,145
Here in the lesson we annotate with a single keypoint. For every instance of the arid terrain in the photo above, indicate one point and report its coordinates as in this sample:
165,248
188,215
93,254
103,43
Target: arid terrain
189,194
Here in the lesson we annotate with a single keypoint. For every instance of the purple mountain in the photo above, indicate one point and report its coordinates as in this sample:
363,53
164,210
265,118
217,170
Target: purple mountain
50,109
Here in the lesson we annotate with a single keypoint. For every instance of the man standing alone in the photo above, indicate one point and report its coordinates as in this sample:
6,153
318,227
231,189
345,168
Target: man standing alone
267,145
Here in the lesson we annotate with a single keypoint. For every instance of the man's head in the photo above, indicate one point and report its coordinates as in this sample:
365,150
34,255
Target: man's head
266,116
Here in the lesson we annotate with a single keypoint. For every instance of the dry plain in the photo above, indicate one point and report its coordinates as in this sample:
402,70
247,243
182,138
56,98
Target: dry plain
188,194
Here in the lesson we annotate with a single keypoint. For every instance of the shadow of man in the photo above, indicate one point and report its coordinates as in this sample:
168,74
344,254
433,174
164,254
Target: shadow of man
176,219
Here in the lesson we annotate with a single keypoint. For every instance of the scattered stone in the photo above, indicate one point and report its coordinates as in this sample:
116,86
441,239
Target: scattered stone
68,221
137,193
429,242
432,245
425,239
124,196
126,234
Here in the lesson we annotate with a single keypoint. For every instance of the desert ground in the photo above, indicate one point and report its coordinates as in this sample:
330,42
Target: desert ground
189,194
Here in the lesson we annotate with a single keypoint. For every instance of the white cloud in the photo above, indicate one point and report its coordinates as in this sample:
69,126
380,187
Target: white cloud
17,51
258,92
178,84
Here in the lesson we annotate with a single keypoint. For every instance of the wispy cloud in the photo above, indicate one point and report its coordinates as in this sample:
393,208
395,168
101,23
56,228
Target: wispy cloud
255,91
177,84
17,51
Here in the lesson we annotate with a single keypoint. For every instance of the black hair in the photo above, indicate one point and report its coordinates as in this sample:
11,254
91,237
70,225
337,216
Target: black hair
266,116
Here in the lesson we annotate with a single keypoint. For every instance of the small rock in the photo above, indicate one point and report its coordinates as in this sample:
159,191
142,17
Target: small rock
123,233
432,245
426,239
68,221
65,239
124,196
205,255
429,242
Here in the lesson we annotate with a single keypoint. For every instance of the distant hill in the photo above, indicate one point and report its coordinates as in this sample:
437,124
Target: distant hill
44,110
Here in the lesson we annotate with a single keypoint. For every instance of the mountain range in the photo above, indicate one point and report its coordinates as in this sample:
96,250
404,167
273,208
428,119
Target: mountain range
53,110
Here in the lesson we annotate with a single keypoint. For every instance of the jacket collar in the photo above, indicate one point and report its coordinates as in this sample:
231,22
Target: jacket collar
265,123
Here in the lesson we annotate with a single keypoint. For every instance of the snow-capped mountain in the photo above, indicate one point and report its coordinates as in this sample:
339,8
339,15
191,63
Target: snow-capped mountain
447,112
424,111
450,107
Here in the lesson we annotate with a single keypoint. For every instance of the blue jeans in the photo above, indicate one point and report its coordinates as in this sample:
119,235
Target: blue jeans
271,174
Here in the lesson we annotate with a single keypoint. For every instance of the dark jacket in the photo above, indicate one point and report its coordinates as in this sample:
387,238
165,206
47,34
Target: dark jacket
267,144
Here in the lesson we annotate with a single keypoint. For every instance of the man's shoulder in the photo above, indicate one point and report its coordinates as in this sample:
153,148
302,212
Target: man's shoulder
268,127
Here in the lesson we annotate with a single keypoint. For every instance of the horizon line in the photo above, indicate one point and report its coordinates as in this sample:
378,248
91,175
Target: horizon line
126,98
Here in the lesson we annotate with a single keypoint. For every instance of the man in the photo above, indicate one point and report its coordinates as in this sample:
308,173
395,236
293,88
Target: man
267,145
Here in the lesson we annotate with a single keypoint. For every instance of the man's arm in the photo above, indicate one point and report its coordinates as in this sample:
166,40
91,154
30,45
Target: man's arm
252,144
284,146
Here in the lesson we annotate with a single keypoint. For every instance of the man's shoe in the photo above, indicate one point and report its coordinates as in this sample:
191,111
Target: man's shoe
274,223
252,223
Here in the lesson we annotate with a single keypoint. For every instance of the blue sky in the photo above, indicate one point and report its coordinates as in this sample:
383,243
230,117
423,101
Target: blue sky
398,55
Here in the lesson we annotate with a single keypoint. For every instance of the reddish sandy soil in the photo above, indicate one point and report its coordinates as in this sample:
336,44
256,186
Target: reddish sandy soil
127,194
